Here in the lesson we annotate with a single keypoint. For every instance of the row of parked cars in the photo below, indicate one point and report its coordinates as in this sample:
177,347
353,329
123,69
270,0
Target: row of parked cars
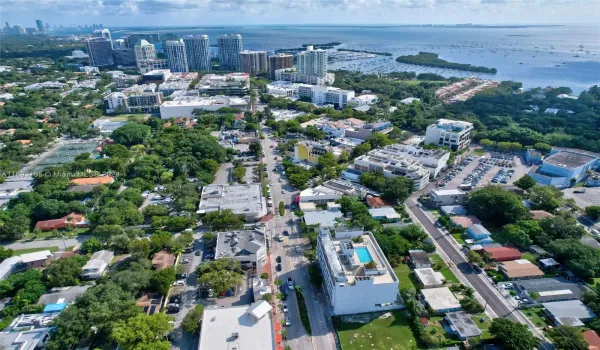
503,176
506,161
444,181
476,175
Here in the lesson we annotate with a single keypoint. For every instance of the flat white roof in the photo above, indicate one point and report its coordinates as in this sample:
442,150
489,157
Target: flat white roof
234,327
440,298
36,256
454,192
429,277
388,212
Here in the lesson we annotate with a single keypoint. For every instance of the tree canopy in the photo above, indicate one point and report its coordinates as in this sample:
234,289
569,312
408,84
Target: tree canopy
495,205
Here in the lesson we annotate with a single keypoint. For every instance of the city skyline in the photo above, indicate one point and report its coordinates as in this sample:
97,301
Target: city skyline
338,12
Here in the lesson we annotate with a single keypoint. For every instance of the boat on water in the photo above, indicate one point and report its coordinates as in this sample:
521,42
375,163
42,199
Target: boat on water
520,62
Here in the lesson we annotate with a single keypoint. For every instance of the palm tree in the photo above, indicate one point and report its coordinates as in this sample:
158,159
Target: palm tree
298,288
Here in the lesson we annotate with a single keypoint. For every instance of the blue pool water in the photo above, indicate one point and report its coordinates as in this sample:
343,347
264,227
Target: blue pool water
363,255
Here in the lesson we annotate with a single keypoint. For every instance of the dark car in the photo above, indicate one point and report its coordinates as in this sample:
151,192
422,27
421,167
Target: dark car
175,299
278,267
278,259
188,250
198,253
286,233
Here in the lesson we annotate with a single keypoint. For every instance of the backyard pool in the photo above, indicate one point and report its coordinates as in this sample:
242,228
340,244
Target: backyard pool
363,255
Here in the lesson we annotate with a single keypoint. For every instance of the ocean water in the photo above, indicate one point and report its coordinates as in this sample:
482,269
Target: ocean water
536,56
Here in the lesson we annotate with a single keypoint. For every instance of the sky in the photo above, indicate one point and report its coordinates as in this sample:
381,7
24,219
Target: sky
122,13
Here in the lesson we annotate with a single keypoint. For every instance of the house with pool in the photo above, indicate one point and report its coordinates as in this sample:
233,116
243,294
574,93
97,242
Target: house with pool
357,276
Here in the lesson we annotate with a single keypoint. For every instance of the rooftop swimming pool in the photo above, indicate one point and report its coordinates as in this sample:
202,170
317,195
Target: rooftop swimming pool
363,255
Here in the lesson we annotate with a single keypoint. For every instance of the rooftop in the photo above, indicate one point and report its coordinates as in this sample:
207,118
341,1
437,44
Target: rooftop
388,212
162,260
25,340
103,180
419,257
539,214
465,221
454,192
569,312
440,298
552,288
502,253
429,277
453,210
462,324
324,218
592,338
569,159
62,295
224,101
478,229
237,328
521,268
238,243
347,266
241,199
457,125
36,256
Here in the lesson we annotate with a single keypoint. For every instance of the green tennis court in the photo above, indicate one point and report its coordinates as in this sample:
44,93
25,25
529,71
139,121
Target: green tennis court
66,154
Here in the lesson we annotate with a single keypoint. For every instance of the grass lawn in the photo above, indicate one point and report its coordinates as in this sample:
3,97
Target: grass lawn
536,316
387,333
530,257
33,250
445,270
484,326
478,152
596,283
435,213
458,237
404,276
56,234
125,117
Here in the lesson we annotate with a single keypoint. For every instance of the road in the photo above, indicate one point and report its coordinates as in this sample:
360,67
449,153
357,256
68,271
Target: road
294,265
61,244
499,304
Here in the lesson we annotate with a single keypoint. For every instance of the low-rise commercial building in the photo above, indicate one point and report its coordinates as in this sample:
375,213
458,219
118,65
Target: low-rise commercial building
548,289
319,95
357,276
453,134
323,218
310,150
319,195
428,278
565,164
184,106
569,312
133,100
520,269
9,266
387,214
28,331
62,295
440,300
238,327
461,325
243,200
247,247
447,197
363,100
393,165
232,84
97,264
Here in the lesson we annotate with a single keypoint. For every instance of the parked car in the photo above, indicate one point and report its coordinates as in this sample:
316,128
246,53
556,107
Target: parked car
285,308
278,268
298,249
287,321
185,261
278,259
198,253
179,283
290,283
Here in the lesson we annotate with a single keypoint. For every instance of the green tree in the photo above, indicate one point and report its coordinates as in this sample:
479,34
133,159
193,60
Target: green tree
155,210
474,258
281,209
513,234
179,223
116,151
255,147
161,240
559,227
191,321
567,337
547,198
223,220
91,245
65,272
131,134
525,182
513,335
378,140
495,205
162,280
139,248
220,275
397,189
593,211
5,253
143,332
105,232
133,279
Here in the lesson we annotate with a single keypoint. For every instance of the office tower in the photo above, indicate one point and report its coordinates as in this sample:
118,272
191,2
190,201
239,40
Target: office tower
253,61
19,30
197,49
230,46
280,61
175,50
7,25
312,62
101,26
40,25
124,56
145,55
102,33
47,26
100,51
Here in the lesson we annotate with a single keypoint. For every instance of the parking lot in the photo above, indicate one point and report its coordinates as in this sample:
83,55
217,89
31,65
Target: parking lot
491,168
589,198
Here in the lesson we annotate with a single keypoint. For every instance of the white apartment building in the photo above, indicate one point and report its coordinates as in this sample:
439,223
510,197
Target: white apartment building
197,49
312,62
435,160
450,133
97,264
175,50
290,74
330,95
364,100
230,46
351,286
232,84
183,106
132,101
392,165
144,51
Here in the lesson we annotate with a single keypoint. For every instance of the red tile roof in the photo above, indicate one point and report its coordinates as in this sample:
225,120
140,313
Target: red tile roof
539,214
503,253
55,224
465,221
376,202
592,339
162,260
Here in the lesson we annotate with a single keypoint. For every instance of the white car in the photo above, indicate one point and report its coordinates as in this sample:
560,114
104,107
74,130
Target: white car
179,283
282,191
287,321
285,309
298,249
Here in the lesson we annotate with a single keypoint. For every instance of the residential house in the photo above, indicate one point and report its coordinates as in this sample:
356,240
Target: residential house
387,214
460,324
479,234
440,300
548,289
569,312
539,214
428,278
464,221
447,197
502,253
9,266
593,340
520,269
162,260
72,220
419,259
150,303
97,264
36,259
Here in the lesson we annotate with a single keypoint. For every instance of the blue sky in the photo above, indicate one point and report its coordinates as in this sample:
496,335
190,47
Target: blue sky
239,12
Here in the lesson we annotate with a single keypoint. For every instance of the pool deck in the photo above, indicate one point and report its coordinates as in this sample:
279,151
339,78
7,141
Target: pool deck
359,270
